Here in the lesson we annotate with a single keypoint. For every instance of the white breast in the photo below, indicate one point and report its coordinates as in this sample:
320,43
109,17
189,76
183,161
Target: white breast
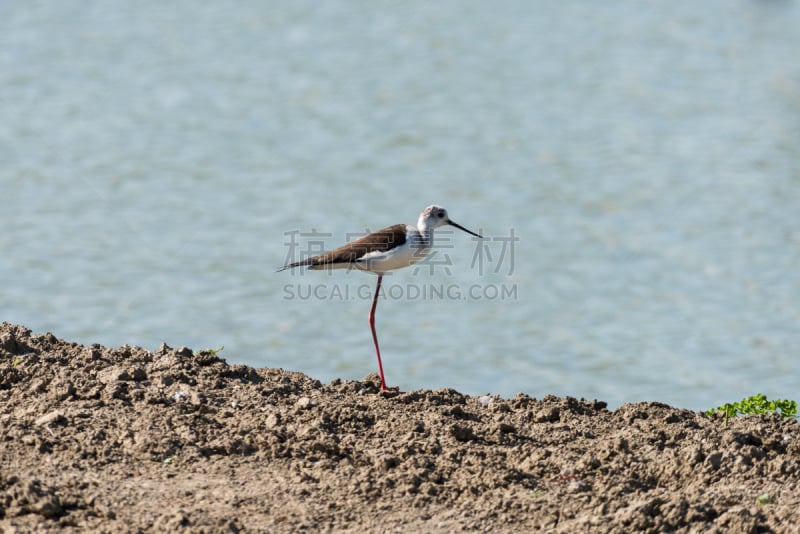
409,253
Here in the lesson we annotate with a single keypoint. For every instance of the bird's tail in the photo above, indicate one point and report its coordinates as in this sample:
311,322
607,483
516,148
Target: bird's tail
309,261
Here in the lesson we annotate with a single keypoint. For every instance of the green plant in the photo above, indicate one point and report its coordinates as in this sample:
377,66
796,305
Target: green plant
756,404
213,352
765,498
208,356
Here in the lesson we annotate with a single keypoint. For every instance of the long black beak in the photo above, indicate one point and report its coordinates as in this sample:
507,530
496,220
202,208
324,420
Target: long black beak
451,223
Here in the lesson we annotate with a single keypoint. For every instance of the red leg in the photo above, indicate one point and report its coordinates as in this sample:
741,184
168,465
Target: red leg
374,335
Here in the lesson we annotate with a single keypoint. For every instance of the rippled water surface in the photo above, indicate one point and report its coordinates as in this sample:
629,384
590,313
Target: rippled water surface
158,161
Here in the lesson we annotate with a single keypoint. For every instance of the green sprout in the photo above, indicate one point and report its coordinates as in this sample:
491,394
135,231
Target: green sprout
214,352
756,404
208,356
765,498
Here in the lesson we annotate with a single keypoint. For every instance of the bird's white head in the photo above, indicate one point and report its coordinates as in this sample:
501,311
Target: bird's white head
436,216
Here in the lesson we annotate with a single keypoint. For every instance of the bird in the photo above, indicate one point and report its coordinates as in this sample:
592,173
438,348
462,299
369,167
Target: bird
393,247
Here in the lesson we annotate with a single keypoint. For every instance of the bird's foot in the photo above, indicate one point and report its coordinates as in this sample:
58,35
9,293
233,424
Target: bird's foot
390,391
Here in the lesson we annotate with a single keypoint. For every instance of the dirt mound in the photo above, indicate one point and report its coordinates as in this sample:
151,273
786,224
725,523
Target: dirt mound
127,439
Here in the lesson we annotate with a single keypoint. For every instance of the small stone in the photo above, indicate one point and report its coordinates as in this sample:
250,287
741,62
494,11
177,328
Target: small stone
303,403
273,420
462,433
64,390
206,357
196,399
548,415
113,374
48,506
138,374
457,411
714,460
672,418
116,390
501,407
8,343
56,416
390,462
506,428
578,484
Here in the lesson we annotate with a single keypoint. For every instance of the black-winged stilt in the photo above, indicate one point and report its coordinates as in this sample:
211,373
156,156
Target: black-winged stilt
393,247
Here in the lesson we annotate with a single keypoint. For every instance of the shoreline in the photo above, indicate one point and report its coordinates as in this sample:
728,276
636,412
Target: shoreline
126,439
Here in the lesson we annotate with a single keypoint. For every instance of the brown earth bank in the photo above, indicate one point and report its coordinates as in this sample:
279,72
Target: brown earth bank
132,440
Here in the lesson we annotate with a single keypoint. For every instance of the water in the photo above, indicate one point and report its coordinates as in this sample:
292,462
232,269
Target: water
153,158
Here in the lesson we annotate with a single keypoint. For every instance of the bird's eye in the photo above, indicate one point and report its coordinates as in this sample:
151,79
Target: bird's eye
440,214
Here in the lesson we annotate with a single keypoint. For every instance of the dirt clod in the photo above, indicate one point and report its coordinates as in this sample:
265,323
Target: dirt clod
103,439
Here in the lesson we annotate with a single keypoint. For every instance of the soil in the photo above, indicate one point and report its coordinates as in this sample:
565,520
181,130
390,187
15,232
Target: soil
132,440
